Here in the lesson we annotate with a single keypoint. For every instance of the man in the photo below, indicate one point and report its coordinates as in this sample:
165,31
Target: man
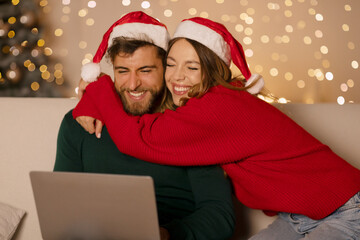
192,202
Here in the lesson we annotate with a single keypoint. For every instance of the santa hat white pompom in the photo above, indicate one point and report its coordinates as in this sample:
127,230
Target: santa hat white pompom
259,83
90,71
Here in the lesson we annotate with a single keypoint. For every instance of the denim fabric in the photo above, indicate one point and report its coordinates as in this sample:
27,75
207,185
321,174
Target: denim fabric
342,224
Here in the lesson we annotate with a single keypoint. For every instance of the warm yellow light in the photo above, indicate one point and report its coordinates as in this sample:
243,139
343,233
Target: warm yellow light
31,67
41,42
259,68
324,50
92,4
43,68
167,13
83,12
27,63
248,31
344,87
35,86
301,25
204,14
289,76
11,34
59,81
12,20
307,40
355,64
345,27
347,8
300,84
59,32
58,74
82,44
289,28
48,51
247,40
341,100
225,18
265,39
66,10
274,72
192,11
350,83
58,66
90,21
288,13
126,2
275,56
326,63
351,45
239,28
34,31
45,75
43,3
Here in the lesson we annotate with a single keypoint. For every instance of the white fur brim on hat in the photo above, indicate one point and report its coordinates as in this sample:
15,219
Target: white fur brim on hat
155,34
205,36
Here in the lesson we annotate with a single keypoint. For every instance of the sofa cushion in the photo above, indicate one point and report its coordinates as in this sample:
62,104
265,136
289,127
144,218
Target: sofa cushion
10,218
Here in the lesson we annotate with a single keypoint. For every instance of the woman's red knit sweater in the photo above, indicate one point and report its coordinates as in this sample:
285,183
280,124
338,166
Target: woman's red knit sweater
274,164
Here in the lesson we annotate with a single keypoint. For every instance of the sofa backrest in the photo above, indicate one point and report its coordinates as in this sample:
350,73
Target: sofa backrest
29,127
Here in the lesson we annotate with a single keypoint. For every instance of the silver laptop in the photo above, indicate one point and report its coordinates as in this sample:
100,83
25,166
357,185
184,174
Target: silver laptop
93,206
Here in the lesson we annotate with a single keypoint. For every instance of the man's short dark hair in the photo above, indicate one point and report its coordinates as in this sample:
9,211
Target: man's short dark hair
129,46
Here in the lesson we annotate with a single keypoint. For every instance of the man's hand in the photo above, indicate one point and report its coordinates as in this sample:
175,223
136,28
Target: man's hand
91,125
164,234
81,89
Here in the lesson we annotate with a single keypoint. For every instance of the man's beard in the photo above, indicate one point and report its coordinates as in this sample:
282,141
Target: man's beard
140,108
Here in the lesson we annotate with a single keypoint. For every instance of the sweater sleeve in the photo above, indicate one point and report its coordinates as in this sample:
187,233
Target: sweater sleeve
213,217
69,141
86,107
223,126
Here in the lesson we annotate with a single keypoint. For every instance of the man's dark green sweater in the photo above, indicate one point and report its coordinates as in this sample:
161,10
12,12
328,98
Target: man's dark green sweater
192,202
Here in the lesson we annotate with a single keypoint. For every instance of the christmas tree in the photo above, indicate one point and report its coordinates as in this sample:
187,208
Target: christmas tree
27,68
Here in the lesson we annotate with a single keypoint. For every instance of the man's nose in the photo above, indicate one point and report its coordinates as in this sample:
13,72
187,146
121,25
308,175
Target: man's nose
134,81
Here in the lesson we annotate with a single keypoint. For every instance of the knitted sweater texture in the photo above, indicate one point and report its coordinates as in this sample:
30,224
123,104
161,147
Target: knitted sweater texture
274,164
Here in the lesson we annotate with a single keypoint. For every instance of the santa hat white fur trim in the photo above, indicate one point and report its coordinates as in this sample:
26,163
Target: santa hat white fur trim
90,71
141,31
205,36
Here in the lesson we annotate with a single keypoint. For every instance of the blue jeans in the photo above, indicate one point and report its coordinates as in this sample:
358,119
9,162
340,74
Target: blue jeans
343,224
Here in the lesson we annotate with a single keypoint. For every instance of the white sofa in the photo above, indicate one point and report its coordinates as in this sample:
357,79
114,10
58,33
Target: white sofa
28,132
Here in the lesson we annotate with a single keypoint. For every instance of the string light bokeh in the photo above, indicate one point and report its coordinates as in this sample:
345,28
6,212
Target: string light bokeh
306,50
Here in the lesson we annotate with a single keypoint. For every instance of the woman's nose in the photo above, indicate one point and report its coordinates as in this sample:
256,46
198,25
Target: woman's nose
179,74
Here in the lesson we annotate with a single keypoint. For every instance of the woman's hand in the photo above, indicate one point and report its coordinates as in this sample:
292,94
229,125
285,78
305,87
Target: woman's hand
91,125
81,88
164,234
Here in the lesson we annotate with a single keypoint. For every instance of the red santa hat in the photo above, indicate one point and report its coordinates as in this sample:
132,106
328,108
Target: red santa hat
135,25
218,39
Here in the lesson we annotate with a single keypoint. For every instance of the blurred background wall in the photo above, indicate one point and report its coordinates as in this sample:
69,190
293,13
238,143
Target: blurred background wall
308,51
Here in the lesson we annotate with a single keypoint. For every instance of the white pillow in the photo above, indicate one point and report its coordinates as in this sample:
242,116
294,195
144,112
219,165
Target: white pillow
10,218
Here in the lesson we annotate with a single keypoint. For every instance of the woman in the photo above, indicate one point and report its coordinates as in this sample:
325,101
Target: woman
273,163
